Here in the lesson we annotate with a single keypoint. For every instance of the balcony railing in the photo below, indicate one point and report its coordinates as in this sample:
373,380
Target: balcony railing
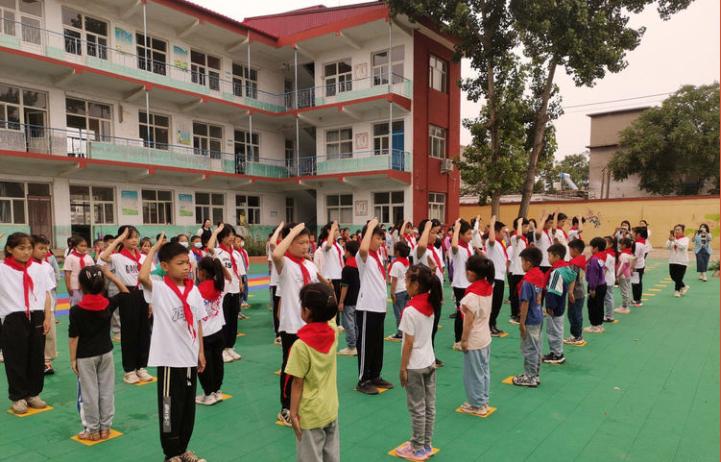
99,55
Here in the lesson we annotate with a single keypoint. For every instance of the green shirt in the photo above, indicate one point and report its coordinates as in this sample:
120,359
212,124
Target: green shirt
319,401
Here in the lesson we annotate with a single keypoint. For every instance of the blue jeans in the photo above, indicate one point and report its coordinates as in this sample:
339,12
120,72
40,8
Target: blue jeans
398,305
531,350
477,375
349,325
575,316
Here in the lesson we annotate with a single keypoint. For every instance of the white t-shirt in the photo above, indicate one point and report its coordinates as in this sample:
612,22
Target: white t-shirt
232,286
126,269
319,260
459,266
543,244
420,326
498,255
480,335
332,263
563,240
640,254
12,298
52,282
518,245
172,344
72,264
427,256
398,271
213,319
373,293
678,251
290,281
610,272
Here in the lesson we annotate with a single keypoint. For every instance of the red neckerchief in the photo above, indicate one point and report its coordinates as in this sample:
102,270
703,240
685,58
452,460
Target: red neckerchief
436,260
301,263
317,335
183,296
93,302
535,276
81,257
246,259
27,280
627,250
524,239
350,261
208,291
565,234
579,262
135,256
420,302
640,240
197,252
556,264
410,240
503,246
340,253
375,257
611,252
480,287
403,261
233,263
548,235
465,246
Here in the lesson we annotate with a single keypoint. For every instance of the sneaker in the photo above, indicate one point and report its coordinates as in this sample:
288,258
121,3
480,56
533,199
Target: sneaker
245,305
480,410
234,354
48,370
548,358
622,310
226,356
457,346
514,320
189,456
439,363
143,375
703,277
116,338
2,358
407,452
284,418
131,378
218,395
589,329
36,403
684,290
392,338
608,319
341,329
496,332
428,449
677,294
380,383
276,341
242,316
525,381
20,406
637,304
367,388
552,358
453,315
573,341
347,351
206,400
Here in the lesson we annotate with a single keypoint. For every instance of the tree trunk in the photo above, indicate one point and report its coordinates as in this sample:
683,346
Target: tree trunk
538,134
496,204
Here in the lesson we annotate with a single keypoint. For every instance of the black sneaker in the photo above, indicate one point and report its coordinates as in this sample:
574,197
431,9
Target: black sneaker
453,315
548,358
552,358
48,370
380,383
608,319
560,359
439,363
514,320
367,388
398,336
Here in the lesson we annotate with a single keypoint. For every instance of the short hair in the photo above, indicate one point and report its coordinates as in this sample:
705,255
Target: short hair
598,243
132,230
108,238
499,226
194,237
352,247
641,231
562,216
402,249
320,300
682,226
532,255
577,244
524,222
39,239
574,221
286,230
16,239
464,227
377,231
558,250
91,280
227,230
627,242
170,250
482,267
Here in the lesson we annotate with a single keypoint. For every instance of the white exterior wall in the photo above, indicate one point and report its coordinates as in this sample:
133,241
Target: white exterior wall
361,195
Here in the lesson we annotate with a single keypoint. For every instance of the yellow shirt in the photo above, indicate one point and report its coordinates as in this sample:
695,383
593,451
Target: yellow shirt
319,402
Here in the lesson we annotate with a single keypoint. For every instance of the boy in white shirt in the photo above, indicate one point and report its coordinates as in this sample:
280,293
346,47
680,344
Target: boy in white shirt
543,239
519,242
332,258
461,252
176,346
41,246
497,252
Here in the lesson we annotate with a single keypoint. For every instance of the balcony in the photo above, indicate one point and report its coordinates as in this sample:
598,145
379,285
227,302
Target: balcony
364,161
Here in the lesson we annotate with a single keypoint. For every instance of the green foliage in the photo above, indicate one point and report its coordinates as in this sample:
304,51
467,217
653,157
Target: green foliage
575,165
674,148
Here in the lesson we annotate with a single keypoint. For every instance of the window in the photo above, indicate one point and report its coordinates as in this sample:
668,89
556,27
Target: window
92,205
379,61
205,70
29,13
289,153
339,143
154,131
79,28
209,206
94,118
289,210
247,209
18,106
12,203
381,140
436,142
152,54
247,146
437,206
438,74
340,208
388,206
245,81
338,77
207,139
157,207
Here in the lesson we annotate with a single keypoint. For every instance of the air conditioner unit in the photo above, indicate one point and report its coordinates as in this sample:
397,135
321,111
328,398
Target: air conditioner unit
446,165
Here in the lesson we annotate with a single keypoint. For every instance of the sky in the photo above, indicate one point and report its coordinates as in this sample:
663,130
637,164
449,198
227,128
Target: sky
683,50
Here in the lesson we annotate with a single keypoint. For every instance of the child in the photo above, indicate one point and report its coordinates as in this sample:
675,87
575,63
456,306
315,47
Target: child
418,374
399,295
640,251
134,310
576,292
176,348
543,239
26,317
312,364
427,254
560,236
332,257
557,282
531,318
623,274
596,285
273,241
76,260
212,283
519,242
145,245
294,272
610,275
576,230
677,244
350,286
461,253
40,253
496,251
240,247
371,310
91,355
476,335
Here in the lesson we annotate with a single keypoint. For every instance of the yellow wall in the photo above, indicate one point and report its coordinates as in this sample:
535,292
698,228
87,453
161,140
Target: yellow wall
661,213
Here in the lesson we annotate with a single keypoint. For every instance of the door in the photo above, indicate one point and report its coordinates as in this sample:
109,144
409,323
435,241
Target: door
40,216
36,136
397,146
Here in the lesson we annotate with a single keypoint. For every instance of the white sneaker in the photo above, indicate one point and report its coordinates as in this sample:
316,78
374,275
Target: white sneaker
206,400
131,378
622,310
676,294
276,341
589,329
456,346
226,356
684,290
245,305
704,278
600,329
143,375
2,358
348,352
218,395
234,354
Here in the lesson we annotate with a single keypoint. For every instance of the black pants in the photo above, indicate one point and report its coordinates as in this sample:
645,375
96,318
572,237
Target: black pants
637,289
595,306
436,320
135,329
286,341
498,289
513,281
231,308
211,378
458,294
677,272
276,307
176,408
370,344
336,290
23,344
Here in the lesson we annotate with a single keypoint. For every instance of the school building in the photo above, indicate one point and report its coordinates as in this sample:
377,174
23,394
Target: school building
162,113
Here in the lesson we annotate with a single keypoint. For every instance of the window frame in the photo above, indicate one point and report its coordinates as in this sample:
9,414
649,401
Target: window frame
379,71
211,210
436,142
206,140
21,106
338,82
250,212
154,130
13,200
437,202
290,210
91,39
148,43
100,135
338,144
339,208
91,203
166,206
442,71
387,211
249,140
245,81
384,140
203,73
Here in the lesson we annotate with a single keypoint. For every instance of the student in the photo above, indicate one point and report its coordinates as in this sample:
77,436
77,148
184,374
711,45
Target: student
211,286
677,245
350,286
399,295
41,246
560,236
332,258
497,252
427,254
558,279
461,252
531,318
76,260
519,242
240,247
640,251
223,236
702,248
596,280
196,249
273,241
91,355
476,336
134,310
576,231
312,364
543,239
26,317
418,372
624,270
576,292
407,235
145,245
609,266
294,272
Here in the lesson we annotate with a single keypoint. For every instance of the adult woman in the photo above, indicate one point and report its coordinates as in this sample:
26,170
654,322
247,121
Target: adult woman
205,231
702,248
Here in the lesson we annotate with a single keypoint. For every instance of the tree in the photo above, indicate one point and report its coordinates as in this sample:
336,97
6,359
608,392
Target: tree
576,165
674,148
